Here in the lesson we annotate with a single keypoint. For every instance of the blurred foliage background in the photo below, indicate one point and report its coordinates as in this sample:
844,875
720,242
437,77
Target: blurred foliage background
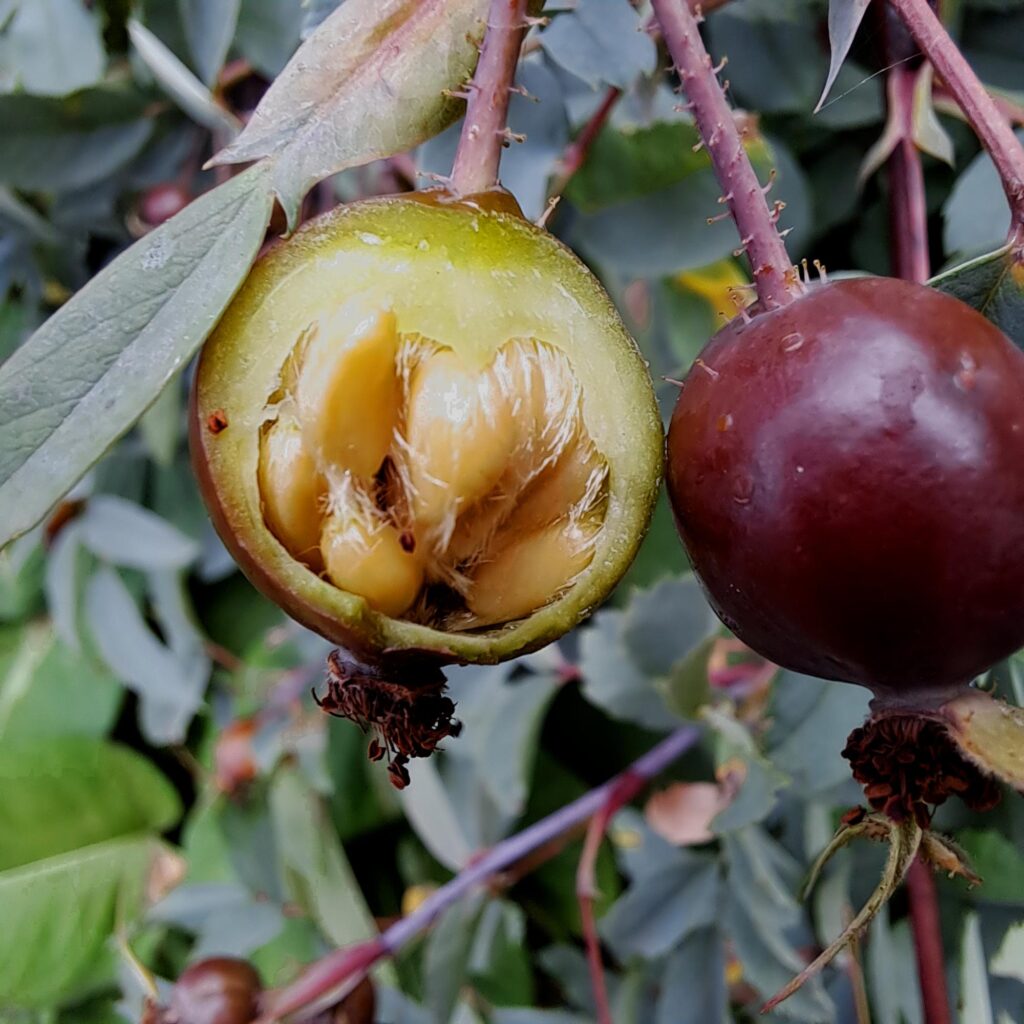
166,782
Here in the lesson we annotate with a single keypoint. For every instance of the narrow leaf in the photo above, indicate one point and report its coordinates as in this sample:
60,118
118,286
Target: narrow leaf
369,82
844,18
94,367
209,28
179,83
127,534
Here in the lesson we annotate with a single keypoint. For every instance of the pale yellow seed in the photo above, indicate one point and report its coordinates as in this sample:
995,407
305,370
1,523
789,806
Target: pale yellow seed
460,435
560,489
348,391
292,490
367,558
529,571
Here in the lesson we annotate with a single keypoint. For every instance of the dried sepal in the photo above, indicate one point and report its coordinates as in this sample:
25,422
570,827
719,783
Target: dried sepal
904,842
853,825
945,855
989,733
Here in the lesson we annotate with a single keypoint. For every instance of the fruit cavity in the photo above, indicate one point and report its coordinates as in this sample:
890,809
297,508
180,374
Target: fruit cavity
450,494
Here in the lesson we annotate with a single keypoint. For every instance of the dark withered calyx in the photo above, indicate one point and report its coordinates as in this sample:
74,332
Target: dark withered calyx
404,710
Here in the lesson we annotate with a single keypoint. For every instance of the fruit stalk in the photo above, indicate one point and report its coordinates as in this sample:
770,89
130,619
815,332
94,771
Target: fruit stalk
981,110
576,152
776,281
346,965
483,131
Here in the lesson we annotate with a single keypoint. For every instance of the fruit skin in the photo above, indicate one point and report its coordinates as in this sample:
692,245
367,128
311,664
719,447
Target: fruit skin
218,990
469,274
847,474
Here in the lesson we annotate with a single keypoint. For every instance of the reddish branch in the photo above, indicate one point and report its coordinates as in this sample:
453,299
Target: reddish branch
628,786
777,282
927,929
484,132
981,110
345,967
576,152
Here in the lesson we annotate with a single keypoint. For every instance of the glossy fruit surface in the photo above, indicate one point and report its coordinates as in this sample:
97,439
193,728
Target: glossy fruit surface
847,474
410,395
218,990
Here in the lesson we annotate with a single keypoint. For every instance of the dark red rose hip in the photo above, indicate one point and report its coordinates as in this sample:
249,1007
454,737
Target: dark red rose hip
847,474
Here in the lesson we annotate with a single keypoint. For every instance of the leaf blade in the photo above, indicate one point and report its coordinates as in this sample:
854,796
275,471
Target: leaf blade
369,82
102,359
844,18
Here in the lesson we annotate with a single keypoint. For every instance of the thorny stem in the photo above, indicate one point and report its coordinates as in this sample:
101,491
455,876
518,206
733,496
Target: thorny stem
908,219
348,965
777,282
628,786
483,131
981,110
927,930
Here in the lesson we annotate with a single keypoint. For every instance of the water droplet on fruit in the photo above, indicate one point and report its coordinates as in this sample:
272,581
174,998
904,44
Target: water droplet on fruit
423,245
792,342
725,423
967,374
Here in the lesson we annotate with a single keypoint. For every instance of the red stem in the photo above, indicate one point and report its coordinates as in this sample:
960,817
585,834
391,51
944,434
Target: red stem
576,152
908,217
927,929
628,786
777,282
908,213
981,110
483,131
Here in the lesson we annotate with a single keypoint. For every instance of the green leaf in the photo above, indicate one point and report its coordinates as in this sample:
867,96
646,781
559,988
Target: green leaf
632,658
62,793
499,962
368,83
102,359
994,285
447,956
209,28
975,1000
53,144
999,863
46,689
55,47
315,864
844,18
179,83
976,212
603,42
59,913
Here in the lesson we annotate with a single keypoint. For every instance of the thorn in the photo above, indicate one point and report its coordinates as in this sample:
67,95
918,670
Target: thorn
456,94
697,146
745,315
741,251
822,272
805,272
521,90
724,215
672,380
532,22
782,234
543,219
772,175
713,374
508,136
777,207
716,136
727,198
698,14
725,85
720,66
